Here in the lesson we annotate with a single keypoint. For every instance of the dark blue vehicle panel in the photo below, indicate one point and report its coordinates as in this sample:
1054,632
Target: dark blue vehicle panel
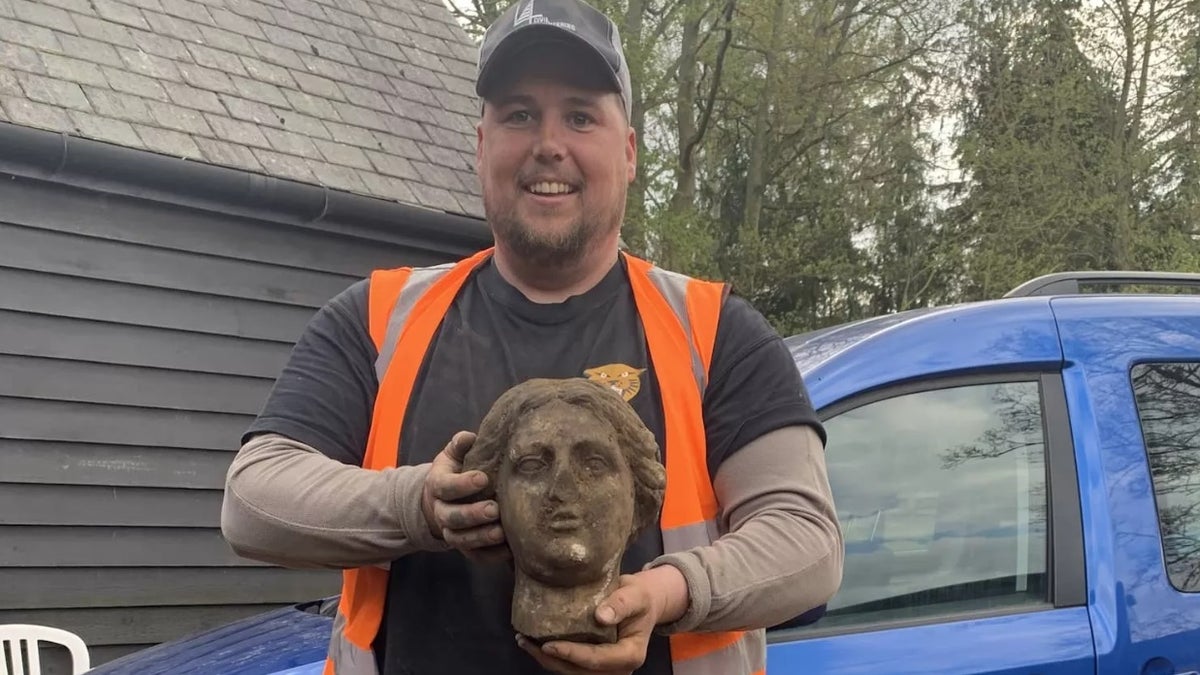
926,343
1140,620
1006,645
287,640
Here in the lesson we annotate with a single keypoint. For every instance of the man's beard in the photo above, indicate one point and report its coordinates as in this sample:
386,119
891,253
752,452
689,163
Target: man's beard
555,250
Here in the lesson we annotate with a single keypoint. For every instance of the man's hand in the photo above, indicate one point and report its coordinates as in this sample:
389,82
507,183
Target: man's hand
641,602
470,527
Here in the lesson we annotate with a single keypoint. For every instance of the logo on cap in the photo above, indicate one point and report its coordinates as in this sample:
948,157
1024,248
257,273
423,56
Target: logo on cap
526,16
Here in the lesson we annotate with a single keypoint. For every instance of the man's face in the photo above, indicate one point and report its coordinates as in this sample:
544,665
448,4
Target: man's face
555,156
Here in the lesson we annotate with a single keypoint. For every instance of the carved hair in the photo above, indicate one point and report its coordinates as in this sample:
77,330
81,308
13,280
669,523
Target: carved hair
637,443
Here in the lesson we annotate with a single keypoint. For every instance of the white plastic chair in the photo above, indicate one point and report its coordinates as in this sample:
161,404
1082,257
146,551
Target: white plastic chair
12,636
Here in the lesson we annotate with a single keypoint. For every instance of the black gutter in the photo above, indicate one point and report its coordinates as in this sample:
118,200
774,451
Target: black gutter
93,165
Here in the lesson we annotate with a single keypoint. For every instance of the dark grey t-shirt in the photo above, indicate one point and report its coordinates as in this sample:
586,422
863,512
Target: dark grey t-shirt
443,614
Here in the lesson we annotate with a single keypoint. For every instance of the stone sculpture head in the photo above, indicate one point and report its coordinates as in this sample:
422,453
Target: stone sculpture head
577,476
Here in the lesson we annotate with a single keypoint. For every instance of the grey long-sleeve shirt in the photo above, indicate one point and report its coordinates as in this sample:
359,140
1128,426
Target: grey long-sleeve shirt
780,552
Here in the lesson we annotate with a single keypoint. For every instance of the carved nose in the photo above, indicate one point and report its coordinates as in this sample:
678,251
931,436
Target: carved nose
562,484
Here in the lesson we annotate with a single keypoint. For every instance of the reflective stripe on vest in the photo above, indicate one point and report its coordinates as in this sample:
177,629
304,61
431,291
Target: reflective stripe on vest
679,315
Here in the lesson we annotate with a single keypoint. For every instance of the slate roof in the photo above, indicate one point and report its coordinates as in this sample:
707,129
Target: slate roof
369,96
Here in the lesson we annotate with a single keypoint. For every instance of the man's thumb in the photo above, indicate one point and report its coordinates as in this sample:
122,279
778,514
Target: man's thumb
459,445
619,606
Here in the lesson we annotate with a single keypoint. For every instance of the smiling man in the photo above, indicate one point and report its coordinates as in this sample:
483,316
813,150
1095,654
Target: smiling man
354,462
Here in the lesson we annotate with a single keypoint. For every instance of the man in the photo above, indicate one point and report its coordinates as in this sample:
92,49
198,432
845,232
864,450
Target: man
353,463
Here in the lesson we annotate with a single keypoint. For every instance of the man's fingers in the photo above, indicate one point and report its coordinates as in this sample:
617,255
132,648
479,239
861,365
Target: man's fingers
478,537
465,516
451,487
547,662
624,656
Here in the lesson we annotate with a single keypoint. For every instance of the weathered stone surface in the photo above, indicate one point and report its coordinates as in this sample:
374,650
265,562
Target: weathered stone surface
577,476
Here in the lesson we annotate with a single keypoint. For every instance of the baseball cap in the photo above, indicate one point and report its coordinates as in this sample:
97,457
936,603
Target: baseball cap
527,22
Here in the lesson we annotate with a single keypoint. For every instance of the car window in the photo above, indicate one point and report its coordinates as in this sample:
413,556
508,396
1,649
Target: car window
1168,401
942,499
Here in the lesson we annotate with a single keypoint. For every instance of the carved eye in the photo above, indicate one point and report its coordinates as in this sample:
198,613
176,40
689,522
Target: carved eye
530,465
596,463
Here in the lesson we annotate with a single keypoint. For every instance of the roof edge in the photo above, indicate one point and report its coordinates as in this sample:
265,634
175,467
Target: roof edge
66,159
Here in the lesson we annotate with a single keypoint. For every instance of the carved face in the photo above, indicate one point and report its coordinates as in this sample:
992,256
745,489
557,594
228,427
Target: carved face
566,495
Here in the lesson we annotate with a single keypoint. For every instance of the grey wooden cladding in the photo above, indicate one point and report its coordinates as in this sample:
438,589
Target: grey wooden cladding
121,218
128,304
59,463
71,255
25,504
82,340
95,423
148,587
56,379
43,545
121,625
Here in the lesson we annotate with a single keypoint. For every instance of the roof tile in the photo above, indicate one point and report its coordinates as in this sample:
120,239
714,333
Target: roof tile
9,86
105,129
168,142
28,35
99,29
191,97
42,15
73,70
387,187
20,57
90,50
251,9
173,26
79,6
33,114
171,116
343,154
119,12
52,91
206,78
291,143
257,90
287,166
162,45
132,83
118,105
353,135
337,177
303,124
229,154
186,9
235,131
227,40
147,64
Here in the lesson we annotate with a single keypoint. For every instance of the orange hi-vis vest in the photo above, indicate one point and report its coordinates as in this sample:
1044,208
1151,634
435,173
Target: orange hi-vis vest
679,316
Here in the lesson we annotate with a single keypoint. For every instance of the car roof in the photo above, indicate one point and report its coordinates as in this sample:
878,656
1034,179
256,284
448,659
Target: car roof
840,361
1016,332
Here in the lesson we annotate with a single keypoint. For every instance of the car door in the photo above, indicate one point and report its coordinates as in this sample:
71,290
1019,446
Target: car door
958,500
1135,402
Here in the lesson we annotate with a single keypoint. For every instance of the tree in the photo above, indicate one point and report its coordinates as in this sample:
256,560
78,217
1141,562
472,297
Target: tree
1038,149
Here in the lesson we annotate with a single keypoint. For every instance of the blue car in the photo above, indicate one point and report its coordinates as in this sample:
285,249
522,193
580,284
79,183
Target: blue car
1018,481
